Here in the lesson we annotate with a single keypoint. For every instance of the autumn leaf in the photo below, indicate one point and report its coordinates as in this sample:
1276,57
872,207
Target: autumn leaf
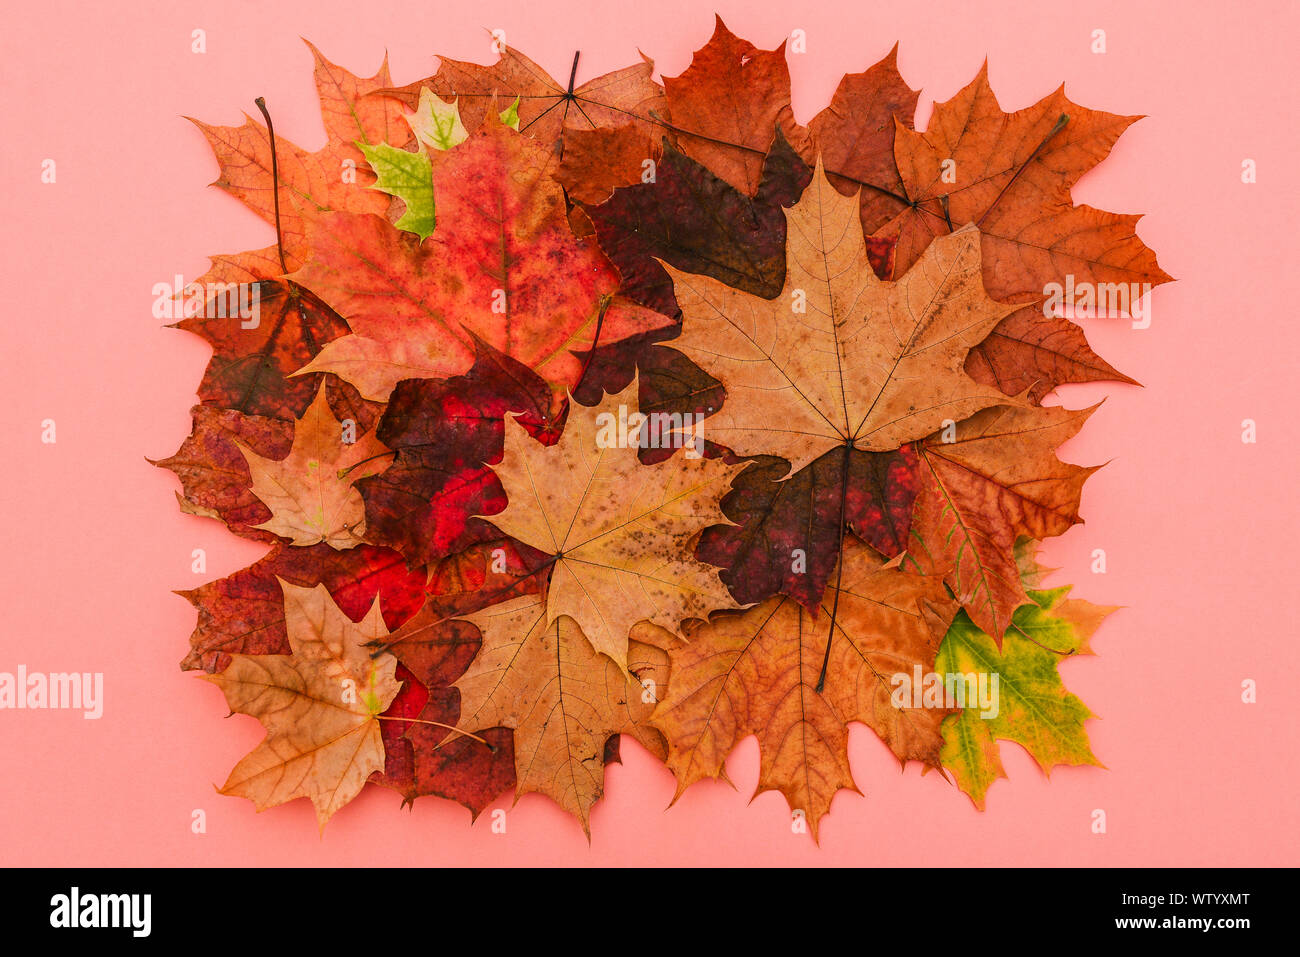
444,434
253,360
436,123
434,649
311,184
407,175
244,613
547,111
1033,707
1011,174
596,162
697,222
992,480
503,265
727,105
213,472
759,672
787,531
618,533
538,674
855,134
840,358
320,705
310,491
1029,353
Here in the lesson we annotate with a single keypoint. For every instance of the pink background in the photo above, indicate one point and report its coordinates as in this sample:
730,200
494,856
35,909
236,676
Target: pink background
1198,527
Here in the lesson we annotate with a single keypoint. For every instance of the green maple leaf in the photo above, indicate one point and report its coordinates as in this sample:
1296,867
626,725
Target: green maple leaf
1033,707
409,177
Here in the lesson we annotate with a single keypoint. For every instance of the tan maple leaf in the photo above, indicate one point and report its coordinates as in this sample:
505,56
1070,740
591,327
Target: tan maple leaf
539,675
310,492
320,705
778,672
619,532
840,357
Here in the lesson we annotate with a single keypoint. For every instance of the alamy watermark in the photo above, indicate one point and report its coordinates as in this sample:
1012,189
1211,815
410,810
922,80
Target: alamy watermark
1099,300
977,690
658,430
60,691
211,300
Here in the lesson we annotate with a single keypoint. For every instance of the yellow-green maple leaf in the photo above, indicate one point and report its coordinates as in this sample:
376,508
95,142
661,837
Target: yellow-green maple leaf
1033,707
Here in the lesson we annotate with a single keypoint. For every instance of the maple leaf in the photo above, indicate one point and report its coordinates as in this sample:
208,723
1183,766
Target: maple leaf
434,650
320,706
444,434
855,135
697,222
1011,175
787,531
243,613
538,674
310,491
758,672
213,472
1033,707
596,162
252,363
727,104
502,265
408,176
436,123
310,184
840,358
545,110
618,533
993,480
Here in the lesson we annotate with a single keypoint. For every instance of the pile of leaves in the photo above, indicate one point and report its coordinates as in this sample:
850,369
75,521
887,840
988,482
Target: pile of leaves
489,287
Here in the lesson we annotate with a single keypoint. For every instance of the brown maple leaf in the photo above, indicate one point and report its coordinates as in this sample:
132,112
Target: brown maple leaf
548,112
320,705
726,107
987,483
310,184
758,672
855,135
1011,175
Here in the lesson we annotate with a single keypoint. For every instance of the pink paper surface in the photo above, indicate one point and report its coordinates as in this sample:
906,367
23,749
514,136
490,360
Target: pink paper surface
1198,527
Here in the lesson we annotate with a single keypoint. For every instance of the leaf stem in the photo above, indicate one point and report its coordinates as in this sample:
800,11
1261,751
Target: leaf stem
275,181
344,473
839,563
573,73
437,724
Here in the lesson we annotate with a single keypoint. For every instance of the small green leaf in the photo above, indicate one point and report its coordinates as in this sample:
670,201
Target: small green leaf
409,177
510,115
